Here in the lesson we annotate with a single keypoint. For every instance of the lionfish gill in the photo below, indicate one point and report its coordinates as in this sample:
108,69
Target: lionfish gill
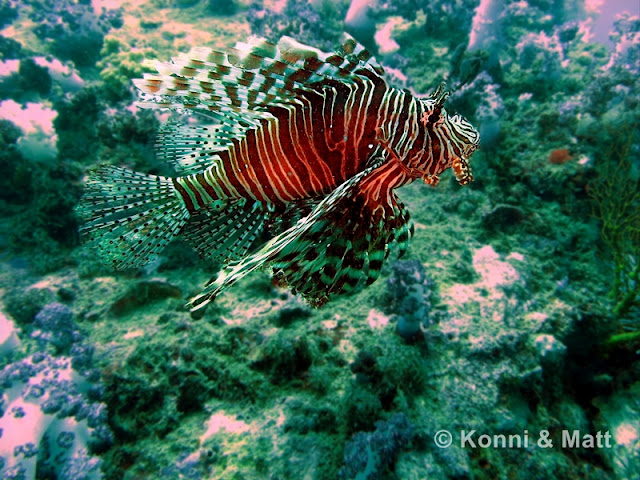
305,146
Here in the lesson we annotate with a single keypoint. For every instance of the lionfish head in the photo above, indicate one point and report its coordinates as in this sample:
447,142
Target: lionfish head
458,138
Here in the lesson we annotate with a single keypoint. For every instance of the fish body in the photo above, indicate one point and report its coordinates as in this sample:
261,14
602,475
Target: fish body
305,144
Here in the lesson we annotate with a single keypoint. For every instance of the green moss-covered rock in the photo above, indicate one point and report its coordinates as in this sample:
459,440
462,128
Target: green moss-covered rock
24,304
389,367
285,357
119,64
15,171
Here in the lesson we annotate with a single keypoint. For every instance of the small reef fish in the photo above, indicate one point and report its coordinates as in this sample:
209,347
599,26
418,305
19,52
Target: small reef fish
304,145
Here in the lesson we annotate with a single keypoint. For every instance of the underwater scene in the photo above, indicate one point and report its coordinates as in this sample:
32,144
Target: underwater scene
319,240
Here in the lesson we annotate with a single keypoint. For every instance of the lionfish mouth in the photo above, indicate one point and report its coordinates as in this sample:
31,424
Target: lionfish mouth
462,170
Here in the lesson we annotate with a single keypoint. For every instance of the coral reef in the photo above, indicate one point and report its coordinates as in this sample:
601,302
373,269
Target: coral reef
51,420
73,30
517,309
46,422
318,23
37,141
8,12
616,194
620,415
409,298
222,7
119,63
14,173
54,325
33,77
368,455
9,48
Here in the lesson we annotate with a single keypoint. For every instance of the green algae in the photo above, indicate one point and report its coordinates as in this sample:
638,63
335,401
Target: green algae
119,64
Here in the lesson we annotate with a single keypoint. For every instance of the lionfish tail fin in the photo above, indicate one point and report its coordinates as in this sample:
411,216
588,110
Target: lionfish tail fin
130,217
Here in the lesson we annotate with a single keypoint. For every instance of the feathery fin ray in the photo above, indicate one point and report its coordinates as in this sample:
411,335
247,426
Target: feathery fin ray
228,235
250,77
130,217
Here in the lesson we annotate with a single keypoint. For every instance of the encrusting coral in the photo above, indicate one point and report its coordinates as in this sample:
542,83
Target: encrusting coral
51,420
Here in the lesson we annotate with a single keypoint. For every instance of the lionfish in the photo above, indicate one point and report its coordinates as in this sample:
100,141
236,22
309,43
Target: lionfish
302,145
